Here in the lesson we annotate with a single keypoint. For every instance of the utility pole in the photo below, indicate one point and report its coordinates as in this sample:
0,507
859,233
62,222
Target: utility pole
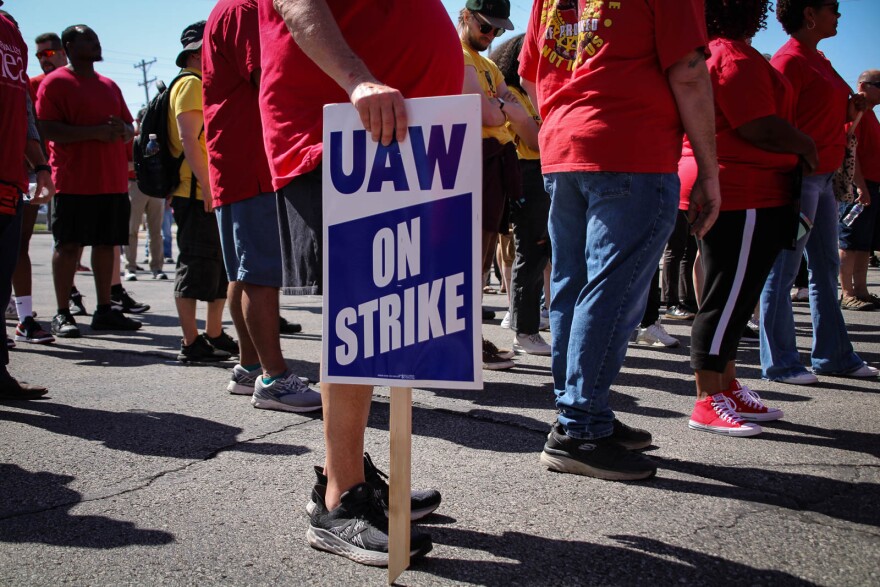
144,66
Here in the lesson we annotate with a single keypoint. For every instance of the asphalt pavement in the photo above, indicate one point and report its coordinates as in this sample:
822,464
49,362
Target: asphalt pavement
138,470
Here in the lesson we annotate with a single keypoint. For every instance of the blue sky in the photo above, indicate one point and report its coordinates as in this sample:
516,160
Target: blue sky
131,31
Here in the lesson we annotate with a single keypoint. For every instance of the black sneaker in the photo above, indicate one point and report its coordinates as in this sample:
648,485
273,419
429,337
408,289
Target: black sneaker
64,326
629,437
286,327
358,528
223,342
422,502
201,351
75,303
114,320
125,303
603,458
488,314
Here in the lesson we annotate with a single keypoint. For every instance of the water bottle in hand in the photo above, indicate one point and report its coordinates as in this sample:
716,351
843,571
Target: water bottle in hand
853,214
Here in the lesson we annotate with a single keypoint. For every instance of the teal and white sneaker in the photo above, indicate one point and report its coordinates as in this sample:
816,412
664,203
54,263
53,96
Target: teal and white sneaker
287,393
242,381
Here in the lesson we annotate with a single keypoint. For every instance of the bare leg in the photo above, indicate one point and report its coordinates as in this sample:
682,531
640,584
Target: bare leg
64,260
103,269
186,313
346,409
260,308
247,352
708,383
214,323
547,270
847,266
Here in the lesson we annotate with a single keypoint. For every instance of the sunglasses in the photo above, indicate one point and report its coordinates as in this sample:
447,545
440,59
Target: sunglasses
875,84
834,5
47,53
485,27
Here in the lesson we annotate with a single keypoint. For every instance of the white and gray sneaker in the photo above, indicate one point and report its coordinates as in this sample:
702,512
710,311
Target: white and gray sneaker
287,393
242,381
544,322
654,335
531,344
505,322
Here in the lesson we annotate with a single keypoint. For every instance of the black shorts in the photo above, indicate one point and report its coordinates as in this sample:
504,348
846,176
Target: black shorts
300,222
201,274
91,220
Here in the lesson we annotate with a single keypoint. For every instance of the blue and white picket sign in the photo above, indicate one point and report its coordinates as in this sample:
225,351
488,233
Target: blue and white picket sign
402,248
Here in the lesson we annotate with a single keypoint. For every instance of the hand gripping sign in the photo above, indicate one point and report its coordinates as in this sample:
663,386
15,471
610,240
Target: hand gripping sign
402,266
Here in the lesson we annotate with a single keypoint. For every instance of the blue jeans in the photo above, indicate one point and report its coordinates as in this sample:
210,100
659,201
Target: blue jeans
167,237
608,231
832,351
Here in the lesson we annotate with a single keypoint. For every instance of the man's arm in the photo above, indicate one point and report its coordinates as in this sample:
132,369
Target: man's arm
490,112
61,132
312,26
189,124
521,121
774,134
689,80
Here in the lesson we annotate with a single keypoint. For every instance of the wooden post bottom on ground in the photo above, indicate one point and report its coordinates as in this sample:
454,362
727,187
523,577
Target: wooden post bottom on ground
400,427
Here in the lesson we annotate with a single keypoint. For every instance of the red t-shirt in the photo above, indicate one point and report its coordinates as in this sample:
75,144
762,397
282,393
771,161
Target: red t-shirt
601,81
84,167
820,100
746,88
35,85
13,122
411,46
233,130
868,151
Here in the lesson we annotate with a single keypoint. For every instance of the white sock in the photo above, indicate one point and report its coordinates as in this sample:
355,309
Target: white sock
24,306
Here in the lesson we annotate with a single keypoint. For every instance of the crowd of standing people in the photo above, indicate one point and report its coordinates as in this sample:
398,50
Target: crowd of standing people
721,164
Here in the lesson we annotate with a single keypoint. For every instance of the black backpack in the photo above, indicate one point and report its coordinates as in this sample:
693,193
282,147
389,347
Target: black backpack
158,175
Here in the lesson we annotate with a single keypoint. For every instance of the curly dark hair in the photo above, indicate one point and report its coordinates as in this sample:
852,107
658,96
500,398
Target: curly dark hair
736,19
790,13
506,57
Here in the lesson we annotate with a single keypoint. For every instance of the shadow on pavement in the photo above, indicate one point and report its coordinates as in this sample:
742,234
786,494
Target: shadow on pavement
45,497
542,561
142,432
850,501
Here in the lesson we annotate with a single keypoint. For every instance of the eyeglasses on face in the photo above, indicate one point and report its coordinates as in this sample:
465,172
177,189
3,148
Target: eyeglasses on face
485,27
47,53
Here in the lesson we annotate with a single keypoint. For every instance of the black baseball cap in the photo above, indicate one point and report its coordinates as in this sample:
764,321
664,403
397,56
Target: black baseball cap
496,12
191,39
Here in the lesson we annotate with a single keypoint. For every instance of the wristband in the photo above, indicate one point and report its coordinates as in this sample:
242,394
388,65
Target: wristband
39,168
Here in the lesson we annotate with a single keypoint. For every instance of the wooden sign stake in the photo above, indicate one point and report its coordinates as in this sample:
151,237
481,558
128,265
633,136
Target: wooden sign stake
399,486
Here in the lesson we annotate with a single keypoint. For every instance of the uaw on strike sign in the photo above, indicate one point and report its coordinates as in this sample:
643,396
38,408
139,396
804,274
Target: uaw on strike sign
402,248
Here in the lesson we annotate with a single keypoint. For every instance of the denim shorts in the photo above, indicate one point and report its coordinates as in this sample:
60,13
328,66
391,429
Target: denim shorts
250,240
864,233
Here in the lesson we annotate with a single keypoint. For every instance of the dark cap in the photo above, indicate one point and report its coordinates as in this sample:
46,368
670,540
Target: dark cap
496,12
191,39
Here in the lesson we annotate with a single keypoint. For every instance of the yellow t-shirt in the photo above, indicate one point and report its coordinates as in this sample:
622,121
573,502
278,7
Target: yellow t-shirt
490,78
522,150
186,96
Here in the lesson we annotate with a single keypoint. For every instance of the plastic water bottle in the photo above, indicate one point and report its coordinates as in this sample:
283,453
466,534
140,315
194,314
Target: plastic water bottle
853,214
152,147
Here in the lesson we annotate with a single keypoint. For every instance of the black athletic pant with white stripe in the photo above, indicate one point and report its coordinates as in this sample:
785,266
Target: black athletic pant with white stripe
737,255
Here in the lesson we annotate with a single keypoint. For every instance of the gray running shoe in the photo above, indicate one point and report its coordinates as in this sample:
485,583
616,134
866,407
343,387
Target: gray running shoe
357,529
64,326
242,381
287,393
